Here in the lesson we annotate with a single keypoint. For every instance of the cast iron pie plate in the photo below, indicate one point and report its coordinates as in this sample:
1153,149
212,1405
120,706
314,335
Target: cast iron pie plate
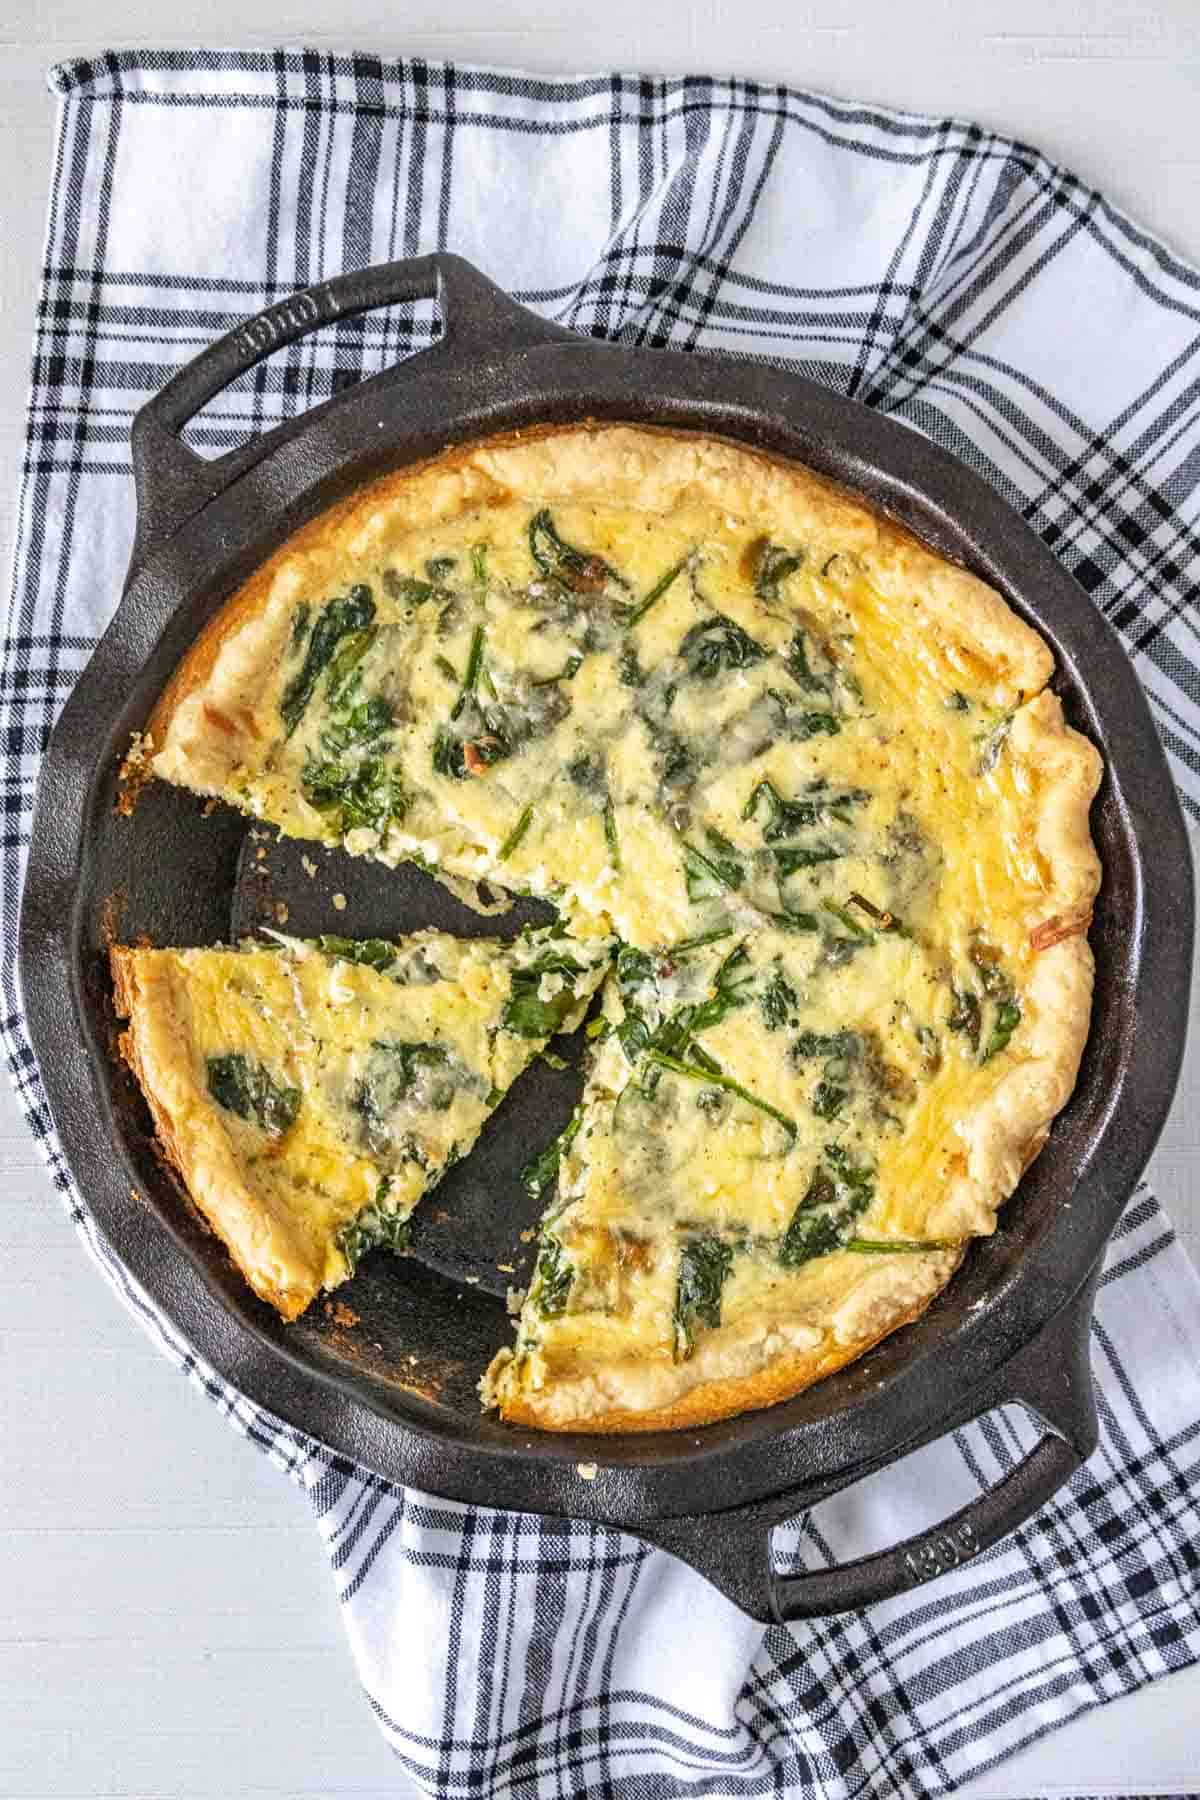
397,1391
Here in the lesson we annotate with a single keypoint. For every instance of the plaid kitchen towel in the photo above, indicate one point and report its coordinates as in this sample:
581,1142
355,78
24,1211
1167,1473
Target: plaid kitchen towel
933,270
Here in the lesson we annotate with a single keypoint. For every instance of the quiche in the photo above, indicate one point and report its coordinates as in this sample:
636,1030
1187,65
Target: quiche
310,1093
802,784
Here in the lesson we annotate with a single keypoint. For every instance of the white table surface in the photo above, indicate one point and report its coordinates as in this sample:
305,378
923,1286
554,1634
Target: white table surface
167,1620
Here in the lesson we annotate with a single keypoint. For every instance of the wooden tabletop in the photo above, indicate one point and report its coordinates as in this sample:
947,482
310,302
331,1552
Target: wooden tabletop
167,1619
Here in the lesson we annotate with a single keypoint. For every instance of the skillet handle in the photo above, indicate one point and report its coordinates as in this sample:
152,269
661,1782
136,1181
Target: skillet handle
1051,1377
173,483
849,1587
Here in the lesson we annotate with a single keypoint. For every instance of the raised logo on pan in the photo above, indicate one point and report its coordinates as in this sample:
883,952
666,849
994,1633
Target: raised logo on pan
285,320
940,1552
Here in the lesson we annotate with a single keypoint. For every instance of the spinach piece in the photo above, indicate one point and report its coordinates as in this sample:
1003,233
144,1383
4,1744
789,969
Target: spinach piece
956,701
777,1002
716,644
966,1016
1008,1017
826,1044
712,872
337,619
300,620
898,1246
629,670
540,1175
471,677
634,967
370,795
568,672
838,1193
802,726
633,614
554,1277
771,565
789,858
516,834
966,1012
707,1072
438,567
244,1087
373,1226
346,659
376,953
797,665
410,590
391,1076
786,817
612,841
704,1265
353,727
525,1013
828,1098
562,562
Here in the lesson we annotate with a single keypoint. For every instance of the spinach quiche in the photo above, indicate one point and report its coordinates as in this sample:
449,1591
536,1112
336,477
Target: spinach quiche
800,787
310,1093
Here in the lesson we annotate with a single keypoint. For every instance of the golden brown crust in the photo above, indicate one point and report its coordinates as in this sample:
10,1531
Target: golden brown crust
275,1261
709,1401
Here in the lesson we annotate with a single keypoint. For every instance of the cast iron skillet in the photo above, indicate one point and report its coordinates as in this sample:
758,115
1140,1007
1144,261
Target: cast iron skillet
396,1391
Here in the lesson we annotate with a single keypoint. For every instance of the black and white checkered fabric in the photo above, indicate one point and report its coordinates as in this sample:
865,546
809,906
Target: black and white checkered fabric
929,268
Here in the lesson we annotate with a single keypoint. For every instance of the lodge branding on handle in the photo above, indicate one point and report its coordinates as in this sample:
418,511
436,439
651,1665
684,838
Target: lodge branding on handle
940,1552
299,312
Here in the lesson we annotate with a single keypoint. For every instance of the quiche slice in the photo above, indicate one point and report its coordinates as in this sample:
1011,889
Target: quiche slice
785,1140
310,1093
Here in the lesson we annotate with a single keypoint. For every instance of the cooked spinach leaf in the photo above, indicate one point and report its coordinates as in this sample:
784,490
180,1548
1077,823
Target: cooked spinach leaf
838,1193
376,953
633,614
629,670
553,1279
374,1226
771,565
370,795
244,1087
1005,1022
338,618
777,1002
351,727
785,817
516,834
704,1265
540,1175
798,667
790,858
712,872
526,1014
397,1071
563,562
612,841
716,644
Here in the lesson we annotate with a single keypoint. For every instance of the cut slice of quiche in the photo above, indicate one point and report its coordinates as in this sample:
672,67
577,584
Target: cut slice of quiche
309,1093
768,1170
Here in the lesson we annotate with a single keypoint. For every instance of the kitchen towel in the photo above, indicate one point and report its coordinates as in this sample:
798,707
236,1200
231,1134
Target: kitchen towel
930,269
